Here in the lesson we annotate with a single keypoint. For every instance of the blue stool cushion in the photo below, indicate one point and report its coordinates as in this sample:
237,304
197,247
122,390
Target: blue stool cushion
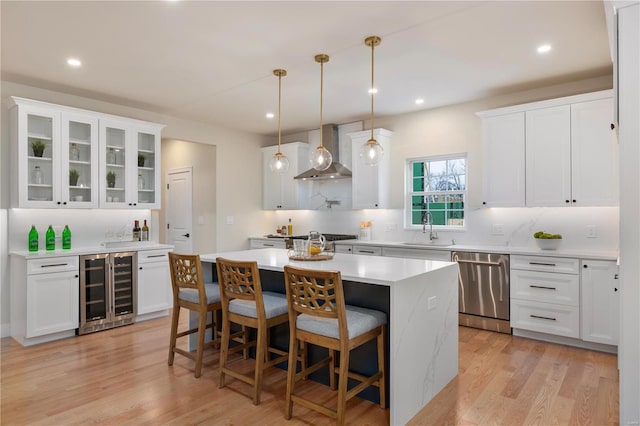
275,304
191,294
359,321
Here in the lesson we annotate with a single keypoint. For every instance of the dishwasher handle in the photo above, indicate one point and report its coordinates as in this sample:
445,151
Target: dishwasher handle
479,262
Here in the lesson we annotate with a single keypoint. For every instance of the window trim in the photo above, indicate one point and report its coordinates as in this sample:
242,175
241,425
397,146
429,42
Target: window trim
408,176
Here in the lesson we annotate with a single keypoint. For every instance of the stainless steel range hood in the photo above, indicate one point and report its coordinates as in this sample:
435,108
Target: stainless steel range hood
336,170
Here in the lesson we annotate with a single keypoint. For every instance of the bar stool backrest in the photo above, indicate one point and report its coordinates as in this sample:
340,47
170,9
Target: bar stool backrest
240,280
186,273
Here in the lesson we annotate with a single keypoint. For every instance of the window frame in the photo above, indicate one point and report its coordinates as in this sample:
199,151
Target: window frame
408,193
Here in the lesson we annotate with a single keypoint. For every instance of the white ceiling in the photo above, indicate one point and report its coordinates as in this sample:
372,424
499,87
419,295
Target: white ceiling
212,61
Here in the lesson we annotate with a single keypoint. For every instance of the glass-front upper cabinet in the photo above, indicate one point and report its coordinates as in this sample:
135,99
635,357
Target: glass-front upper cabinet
54,155
130,154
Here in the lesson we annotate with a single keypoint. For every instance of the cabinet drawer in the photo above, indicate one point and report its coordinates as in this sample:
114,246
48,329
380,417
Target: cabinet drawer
545,287
146,256
368,250
561,265
257,244
561,320
341,248
428,254
53,264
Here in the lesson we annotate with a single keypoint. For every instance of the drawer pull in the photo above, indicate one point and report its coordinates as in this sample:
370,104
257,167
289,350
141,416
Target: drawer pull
367,251
53,264
156,255
268,245
543,287
542,264
540,317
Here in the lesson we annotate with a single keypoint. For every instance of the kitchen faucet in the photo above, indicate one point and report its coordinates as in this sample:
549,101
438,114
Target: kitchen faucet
432,236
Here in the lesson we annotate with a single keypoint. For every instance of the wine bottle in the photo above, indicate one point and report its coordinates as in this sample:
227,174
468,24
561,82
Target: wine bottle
289,228
33,239
136,230
144,236
50,239
66,238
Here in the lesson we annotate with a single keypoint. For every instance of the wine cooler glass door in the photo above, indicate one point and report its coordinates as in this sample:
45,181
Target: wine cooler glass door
94,288
124,283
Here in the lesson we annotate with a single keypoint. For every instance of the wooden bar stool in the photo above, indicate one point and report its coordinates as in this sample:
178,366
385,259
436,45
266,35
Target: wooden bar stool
244,303
318,315
191,292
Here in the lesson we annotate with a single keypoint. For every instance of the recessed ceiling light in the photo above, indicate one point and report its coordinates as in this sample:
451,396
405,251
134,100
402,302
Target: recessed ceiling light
73,62
270,115
544,48
373,90
419,101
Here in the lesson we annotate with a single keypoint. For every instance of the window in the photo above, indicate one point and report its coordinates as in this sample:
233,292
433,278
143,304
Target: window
437,185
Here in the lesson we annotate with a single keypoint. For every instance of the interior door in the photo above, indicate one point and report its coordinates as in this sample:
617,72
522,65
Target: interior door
179,210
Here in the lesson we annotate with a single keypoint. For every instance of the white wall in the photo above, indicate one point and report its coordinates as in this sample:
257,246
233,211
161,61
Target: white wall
238,169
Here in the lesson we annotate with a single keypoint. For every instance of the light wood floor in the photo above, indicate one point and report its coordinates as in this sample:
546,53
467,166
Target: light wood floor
121,376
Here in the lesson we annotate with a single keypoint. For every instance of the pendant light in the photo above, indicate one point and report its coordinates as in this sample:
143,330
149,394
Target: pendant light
279,163
371,152
320,158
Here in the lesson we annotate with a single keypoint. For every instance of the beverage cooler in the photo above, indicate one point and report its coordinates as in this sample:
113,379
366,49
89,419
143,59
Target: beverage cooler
108,293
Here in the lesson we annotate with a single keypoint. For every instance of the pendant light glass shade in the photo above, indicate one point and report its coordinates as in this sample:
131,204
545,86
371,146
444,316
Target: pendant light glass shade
371,152
279,163
320,158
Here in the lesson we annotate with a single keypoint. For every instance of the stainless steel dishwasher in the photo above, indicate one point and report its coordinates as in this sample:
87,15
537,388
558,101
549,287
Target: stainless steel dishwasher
483,282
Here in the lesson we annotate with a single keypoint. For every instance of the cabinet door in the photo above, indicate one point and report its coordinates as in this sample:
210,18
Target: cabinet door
38,171
594,154
370,184
115,162
280,190
503,160
600,302
52,303
79,153
154,287
548,156
147,173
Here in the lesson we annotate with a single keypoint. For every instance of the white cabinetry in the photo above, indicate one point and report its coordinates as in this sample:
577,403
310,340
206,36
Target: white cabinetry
367,250
280,190
90,144
154,283
44,298
257,243
70,140
545,295
567,146
130,152
600,302
417,253
370,184
503,138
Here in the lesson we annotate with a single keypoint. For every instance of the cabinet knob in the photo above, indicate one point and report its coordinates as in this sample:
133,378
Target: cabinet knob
484,203
573,201
64,203
78,276
140,268
566,201
615,289
58,203
584,266
613,126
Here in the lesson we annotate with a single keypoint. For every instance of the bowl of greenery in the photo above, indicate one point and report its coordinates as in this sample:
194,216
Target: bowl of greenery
547,241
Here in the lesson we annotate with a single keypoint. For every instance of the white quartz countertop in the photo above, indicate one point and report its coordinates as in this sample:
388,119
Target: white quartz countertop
115,247
353,267
441,245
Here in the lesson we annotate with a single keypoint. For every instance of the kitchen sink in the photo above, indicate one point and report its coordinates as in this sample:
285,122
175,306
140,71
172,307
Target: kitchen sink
425,244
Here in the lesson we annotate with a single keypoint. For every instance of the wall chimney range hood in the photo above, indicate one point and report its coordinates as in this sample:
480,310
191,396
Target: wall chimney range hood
336,170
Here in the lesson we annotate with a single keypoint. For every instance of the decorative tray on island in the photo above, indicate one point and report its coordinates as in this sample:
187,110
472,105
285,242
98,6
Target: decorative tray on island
325,255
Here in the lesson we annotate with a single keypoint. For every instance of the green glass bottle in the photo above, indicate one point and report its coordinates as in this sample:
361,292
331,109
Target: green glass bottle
66,238
50,239
33,239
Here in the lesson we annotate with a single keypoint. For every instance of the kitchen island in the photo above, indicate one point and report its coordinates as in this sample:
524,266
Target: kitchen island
420,298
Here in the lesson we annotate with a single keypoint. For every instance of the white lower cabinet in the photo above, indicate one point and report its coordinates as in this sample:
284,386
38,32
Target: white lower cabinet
411,253
154,282
600,302
45,298
545,295
256,243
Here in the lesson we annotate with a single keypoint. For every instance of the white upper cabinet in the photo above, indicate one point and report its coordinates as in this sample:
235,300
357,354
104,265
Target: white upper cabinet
130,164
280,191
80,148
503,181
548,156
370,184
55,156
559,152
594,154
